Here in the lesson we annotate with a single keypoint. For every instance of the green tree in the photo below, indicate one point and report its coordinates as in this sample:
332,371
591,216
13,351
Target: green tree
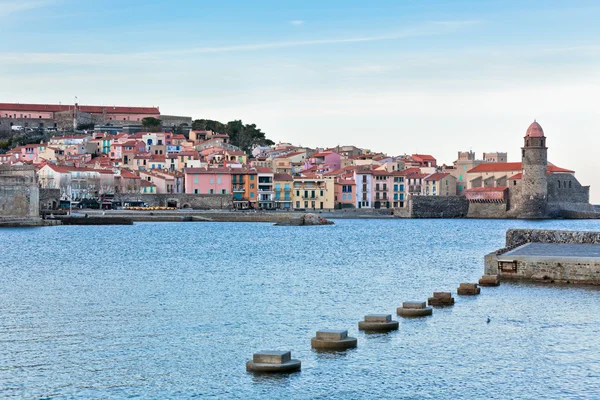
240,135
152,124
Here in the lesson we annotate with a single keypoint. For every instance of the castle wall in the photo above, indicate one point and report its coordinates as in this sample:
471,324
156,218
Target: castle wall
434,207
19,192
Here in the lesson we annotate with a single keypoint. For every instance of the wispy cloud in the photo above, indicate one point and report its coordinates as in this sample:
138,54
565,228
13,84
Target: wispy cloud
369,69
11,7
428,29
456,24
297,22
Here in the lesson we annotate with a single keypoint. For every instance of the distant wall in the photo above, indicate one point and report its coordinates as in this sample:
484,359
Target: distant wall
569,191
182,200
487,210
434,207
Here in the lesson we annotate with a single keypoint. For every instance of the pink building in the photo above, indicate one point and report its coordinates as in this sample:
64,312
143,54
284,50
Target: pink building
345,190
325,161
207,180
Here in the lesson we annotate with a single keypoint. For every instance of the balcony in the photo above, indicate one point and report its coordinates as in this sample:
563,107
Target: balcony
238,189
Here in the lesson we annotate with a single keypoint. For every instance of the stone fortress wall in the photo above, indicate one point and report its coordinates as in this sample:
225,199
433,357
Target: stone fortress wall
19,192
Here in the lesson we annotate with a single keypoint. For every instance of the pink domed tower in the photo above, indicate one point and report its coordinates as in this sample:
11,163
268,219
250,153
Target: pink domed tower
534,185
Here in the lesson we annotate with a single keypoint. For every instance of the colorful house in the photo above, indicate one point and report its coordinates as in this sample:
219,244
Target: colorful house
283,191
207,180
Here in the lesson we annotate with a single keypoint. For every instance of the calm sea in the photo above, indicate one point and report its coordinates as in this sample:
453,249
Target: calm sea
174,310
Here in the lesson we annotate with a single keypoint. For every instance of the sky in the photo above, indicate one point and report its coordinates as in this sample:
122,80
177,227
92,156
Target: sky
401,76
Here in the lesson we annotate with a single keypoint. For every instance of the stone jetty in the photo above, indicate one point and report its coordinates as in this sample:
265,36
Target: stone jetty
441,299
414,309
273,362
378,322
489,280
330,339
468,289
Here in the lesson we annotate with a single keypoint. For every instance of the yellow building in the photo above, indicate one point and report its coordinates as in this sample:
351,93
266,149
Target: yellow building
313,193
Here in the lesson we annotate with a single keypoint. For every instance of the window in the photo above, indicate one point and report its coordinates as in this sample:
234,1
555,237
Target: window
306,204
218,181
322,192
211,191
297,193
251,195
251,177
195,191
460,177
223,191
196,179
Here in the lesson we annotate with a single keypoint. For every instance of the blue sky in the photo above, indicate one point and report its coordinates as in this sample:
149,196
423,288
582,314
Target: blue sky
394,76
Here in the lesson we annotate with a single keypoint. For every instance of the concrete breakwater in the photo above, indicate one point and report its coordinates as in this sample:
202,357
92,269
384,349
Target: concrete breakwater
70,220
547,256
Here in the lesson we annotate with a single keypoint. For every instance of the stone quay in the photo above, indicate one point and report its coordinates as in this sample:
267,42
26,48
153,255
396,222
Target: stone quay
271,361
378,322
331,339
414,309
468,289
489,280
441,299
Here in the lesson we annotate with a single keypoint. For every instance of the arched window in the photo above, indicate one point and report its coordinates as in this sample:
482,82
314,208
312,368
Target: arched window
569,184
559,184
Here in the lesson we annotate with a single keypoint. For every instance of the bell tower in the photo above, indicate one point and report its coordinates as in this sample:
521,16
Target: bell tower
534,189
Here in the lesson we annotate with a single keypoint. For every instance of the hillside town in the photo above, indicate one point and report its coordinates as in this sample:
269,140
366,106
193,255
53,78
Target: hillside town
119,164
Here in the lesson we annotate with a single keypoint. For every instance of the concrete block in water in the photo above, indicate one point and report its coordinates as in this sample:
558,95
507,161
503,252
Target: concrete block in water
470,286
332,334
330,339
272,357
468,289
414,309
441,299
414,304
378,322
489,280
273,362
378,318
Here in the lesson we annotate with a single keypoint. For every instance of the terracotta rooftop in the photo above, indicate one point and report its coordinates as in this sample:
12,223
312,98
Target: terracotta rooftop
512,166
487,189
88,109
437,176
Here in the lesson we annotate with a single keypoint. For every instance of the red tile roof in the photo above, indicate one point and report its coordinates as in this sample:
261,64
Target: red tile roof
497,167
437,176
512,166
88,109
282,177
219,170
487,189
